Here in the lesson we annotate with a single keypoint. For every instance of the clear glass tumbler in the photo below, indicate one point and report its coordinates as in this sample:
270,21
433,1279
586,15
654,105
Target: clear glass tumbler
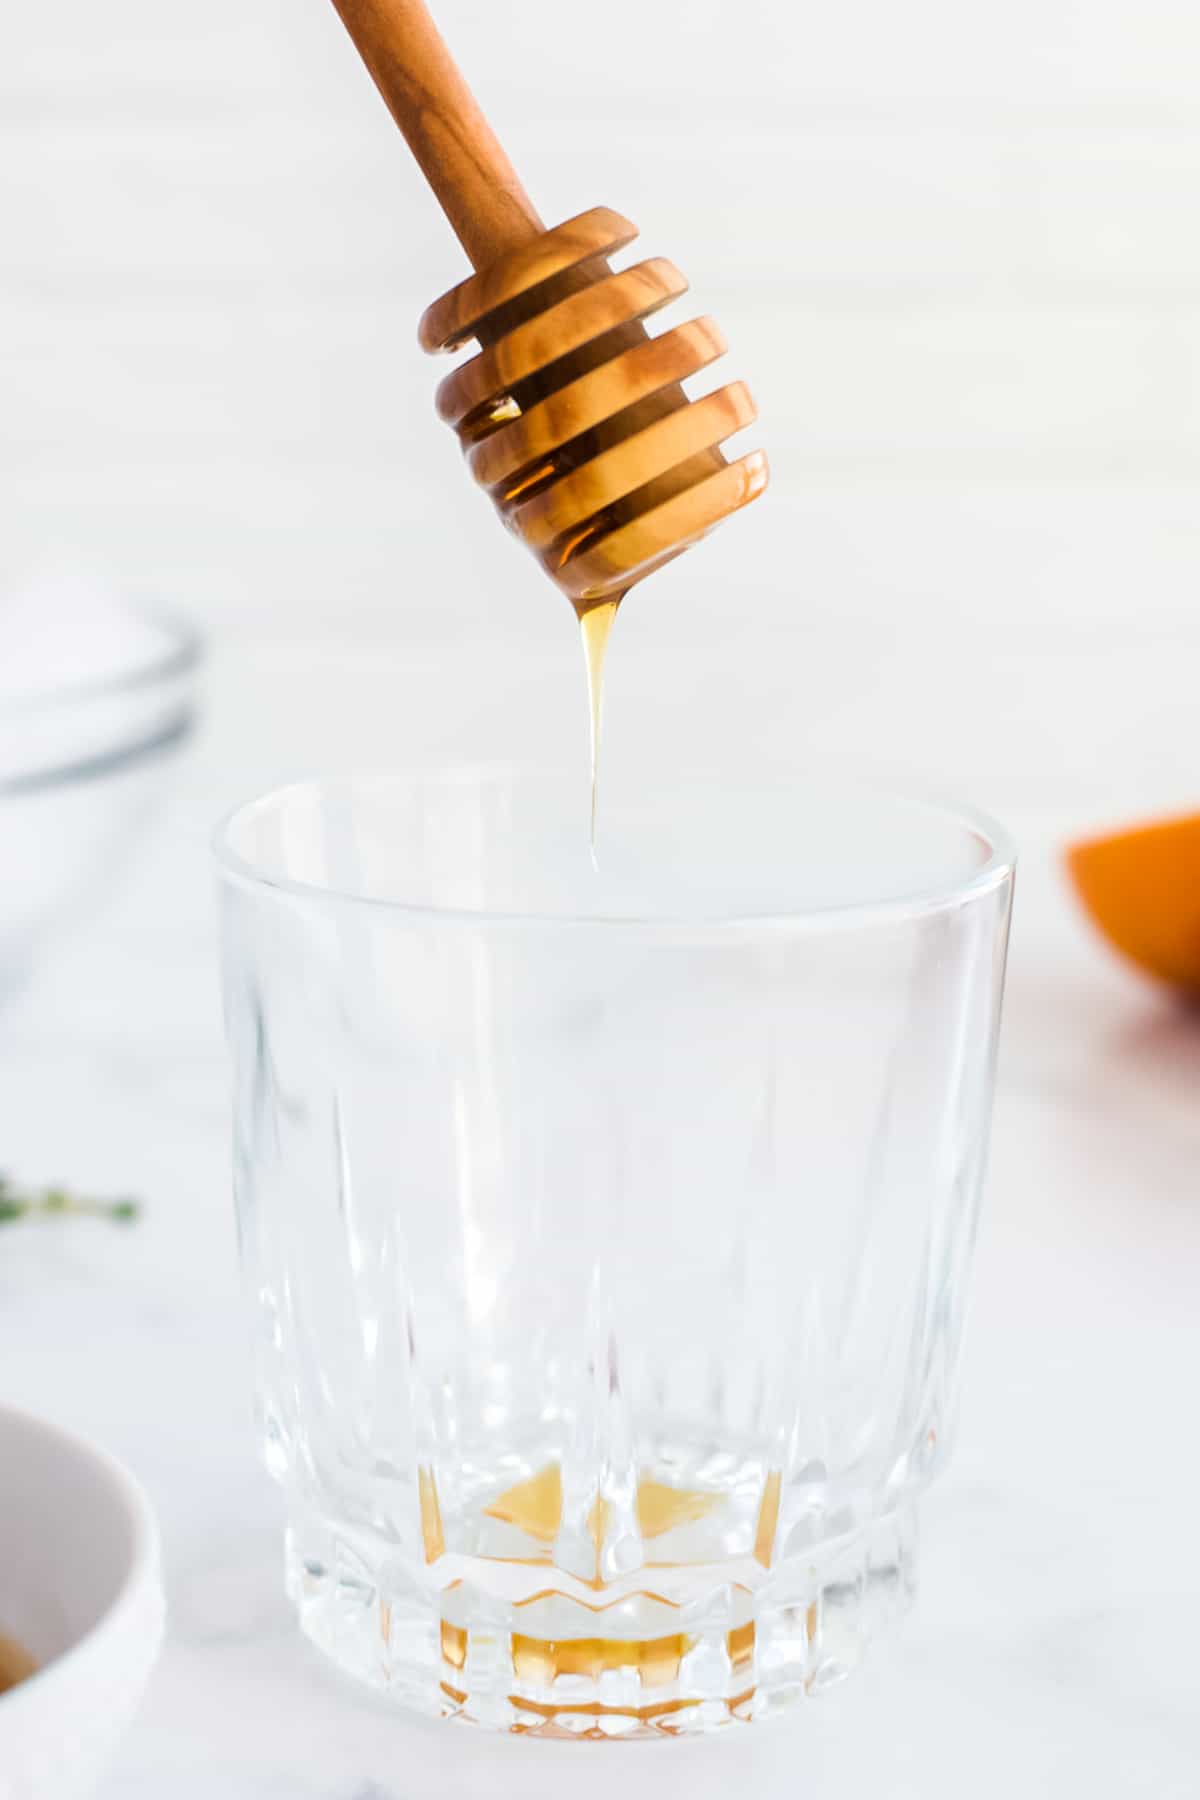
608,1232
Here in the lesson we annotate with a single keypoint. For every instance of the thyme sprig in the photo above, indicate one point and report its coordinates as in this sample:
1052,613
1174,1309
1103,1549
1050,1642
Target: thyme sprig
60,1202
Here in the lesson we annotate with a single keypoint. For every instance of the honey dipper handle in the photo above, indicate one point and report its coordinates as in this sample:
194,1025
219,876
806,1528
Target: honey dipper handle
459,154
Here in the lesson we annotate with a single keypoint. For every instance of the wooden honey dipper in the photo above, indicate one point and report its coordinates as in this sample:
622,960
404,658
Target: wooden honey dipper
571,416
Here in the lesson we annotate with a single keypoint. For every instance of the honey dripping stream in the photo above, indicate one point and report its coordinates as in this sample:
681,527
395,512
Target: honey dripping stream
595,627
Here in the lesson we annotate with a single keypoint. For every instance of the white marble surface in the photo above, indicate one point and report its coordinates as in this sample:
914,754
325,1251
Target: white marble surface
1053,1648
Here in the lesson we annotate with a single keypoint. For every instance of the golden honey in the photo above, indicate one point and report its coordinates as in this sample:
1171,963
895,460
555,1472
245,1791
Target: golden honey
16,1664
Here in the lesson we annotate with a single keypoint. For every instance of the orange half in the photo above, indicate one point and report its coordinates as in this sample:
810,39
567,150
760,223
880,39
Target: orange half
1142,889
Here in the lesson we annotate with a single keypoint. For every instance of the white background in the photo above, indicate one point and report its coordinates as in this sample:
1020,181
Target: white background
955,251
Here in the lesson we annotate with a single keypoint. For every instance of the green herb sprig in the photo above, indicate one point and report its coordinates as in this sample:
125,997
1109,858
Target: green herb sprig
59,1202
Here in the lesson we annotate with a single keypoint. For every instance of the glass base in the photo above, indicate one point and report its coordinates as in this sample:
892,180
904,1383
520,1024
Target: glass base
638,1665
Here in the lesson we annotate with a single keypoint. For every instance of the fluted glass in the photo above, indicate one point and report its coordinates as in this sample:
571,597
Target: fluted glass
607,1231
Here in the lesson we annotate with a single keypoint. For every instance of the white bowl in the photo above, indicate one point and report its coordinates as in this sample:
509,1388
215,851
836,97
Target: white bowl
85,753
80,1589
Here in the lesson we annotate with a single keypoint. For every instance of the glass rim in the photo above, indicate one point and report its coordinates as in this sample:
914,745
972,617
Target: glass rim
997,868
